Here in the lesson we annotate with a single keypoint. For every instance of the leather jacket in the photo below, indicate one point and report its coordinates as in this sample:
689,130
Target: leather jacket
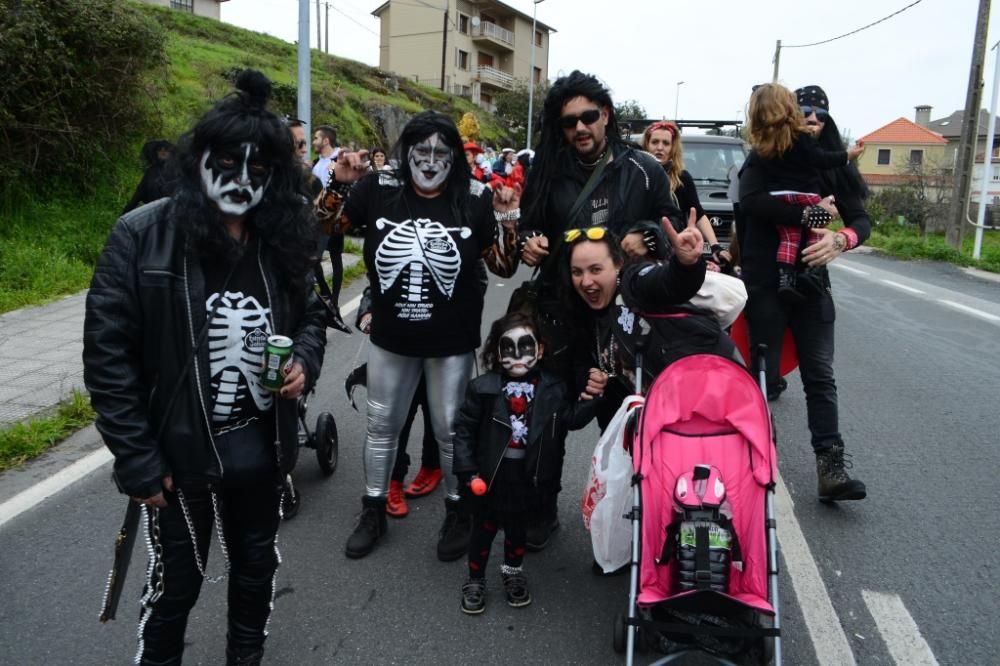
145,308
483,430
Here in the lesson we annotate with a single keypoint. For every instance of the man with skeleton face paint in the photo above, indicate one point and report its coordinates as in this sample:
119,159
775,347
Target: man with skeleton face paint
427,230
184,297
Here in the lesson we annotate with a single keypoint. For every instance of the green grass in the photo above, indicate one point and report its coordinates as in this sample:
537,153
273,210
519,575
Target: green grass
906,242
24,441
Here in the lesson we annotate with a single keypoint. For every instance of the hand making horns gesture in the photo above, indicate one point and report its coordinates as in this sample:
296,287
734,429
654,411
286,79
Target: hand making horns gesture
689,243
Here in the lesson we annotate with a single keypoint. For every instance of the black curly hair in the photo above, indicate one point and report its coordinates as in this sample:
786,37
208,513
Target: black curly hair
420,127
283,220
491,354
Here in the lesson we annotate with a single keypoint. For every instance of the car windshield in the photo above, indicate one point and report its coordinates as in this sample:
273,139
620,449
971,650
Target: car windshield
711,162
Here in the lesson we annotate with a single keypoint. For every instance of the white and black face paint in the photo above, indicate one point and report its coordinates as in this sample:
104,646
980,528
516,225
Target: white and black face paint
430,163
234,177
518,351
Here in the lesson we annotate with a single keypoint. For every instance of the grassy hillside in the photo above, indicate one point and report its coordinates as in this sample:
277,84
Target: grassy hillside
50,236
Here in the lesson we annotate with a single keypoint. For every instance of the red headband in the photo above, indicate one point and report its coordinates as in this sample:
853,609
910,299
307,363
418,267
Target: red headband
664,124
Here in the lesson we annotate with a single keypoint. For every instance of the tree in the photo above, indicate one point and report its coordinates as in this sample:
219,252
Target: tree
512,110
468,127
629,110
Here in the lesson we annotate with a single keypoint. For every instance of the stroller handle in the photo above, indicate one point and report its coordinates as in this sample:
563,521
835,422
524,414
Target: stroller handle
760,351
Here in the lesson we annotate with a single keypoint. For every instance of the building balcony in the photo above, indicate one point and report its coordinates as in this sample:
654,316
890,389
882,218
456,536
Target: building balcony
495,78
494,34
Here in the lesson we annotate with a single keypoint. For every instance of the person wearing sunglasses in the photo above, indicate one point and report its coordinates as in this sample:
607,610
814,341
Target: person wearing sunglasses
584,175
811,320
662,140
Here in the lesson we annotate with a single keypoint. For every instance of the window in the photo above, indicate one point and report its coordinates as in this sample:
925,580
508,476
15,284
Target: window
463,24
538,38
883,155
486,99
537,75
183,5
462,61
996,175
916,157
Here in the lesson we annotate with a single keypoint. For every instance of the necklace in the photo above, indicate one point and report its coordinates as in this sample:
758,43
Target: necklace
606,356
591,165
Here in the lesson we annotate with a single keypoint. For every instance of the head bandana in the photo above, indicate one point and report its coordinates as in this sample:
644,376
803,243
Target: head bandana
518,351
430,163
813,96
234,177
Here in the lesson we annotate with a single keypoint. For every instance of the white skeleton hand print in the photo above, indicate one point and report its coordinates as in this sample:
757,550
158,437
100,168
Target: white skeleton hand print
418,247
236,341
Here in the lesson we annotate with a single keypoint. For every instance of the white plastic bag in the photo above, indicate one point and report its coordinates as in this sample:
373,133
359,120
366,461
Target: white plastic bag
607,496
723,295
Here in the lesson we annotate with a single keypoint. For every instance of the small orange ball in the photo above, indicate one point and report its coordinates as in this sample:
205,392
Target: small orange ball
478,486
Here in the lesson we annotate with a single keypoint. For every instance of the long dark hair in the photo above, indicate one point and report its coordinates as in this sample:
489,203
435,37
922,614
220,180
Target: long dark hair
420,127
566,290
845,178
491,354
283,220
553,155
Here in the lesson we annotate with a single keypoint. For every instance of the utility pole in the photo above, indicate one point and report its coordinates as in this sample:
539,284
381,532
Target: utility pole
305,89
326,39
967,147
777,60
444,44
319,35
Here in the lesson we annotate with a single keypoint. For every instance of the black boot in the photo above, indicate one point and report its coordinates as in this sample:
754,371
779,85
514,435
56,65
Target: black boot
333,318
291,499
244,657
540,532
371,526
453,541
834,483
788,290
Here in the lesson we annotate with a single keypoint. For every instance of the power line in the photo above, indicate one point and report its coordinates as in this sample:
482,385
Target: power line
852,32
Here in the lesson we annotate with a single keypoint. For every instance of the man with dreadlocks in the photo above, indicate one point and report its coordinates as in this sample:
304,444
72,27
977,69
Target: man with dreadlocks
183,300
585,175
428,228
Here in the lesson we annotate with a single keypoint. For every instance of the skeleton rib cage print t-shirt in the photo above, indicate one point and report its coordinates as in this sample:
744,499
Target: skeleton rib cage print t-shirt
236,340
422,265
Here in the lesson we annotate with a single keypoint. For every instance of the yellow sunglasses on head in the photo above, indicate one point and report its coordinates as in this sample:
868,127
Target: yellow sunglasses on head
592,233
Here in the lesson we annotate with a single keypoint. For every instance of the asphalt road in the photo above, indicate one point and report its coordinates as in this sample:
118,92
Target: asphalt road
919,383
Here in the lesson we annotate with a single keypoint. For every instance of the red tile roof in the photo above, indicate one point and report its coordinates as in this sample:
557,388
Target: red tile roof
904,131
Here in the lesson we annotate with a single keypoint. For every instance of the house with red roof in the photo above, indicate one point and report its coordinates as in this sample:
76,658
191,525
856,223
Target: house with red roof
904,153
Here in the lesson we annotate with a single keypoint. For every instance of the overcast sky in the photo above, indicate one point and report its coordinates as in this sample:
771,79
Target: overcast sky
720,48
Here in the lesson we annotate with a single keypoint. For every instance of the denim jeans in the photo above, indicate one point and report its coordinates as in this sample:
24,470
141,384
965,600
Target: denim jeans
811,324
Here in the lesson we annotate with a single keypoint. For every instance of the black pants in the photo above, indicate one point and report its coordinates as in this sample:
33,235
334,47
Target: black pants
812,328
335,246
429,457
485,525
250,525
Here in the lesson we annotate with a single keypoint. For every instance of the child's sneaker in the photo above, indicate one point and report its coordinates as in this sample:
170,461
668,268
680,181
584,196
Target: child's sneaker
474,596
515,587
787,288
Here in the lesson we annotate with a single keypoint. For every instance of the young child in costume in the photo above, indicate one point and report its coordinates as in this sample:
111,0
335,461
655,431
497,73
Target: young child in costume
509,447
792,160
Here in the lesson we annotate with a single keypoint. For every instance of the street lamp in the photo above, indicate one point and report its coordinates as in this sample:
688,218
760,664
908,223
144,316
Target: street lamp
531,74
677,98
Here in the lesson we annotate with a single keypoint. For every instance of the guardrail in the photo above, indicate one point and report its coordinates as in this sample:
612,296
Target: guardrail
496,77
493,31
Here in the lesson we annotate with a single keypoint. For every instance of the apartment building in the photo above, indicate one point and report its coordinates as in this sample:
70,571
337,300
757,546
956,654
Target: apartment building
904,152
480,47
208,8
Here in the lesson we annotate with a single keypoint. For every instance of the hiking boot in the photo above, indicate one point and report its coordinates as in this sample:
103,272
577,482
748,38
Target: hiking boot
371,525
474,596
395,504
244,657
515,587
788,290
453,541
834,483
424,483
539,534
291,499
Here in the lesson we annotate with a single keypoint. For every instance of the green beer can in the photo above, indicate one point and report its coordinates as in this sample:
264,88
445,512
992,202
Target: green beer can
277,356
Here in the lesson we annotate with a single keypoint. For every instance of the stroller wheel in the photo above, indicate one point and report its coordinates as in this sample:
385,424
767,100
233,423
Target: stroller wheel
618,636
327,443
766,651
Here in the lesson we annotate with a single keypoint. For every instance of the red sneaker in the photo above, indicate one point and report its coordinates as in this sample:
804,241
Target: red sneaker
424,482
395,504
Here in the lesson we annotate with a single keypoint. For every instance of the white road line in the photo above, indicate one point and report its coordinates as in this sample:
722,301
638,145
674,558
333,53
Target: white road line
972,311
69,475
822,622
897,285
901,635
851,269
29,498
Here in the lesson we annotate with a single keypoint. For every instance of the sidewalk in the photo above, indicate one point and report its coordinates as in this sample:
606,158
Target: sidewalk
40,355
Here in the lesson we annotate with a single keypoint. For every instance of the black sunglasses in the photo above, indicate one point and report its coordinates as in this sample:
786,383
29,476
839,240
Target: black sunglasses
821,114
301,144
588,117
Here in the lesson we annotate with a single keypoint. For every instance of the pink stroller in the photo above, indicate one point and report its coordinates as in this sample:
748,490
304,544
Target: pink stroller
704,550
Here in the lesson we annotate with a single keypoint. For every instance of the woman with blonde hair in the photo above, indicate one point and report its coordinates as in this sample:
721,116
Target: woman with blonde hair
791,160
662,140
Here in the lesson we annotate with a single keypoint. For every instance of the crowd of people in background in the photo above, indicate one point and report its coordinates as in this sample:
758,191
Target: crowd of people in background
228,253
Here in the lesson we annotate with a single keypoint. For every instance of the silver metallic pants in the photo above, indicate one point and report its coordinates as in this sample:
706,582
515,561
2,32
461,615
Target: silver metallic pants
392,381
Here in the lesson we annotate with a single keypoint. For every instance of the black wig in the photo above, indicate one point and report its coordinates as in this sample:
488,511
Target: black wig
845,178
491,349
283,220
420,127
